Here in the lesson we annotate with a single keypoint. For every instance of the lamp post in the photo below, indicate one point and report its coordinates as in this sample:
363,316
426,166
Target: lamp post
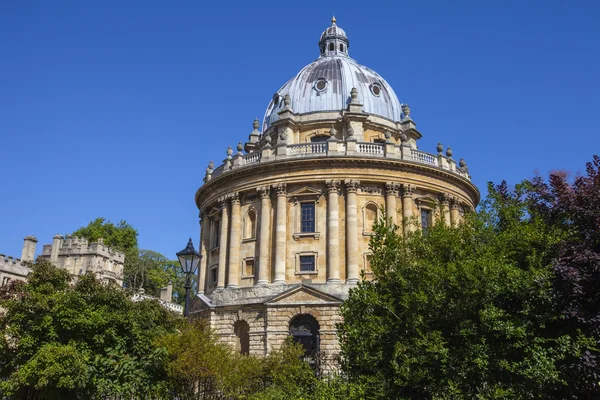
189,259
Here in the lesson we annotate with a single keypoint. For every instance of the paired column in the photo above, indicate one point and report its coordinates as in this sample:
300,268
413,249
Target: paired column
280,233
407,207
391,192
351,231
203,266
263,238
445,208
223,244
333,231
234,242
454,211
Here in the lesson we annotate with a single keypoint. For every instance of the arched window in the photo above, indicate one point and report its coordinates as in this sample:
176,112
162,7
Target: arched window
319,139
250,224
370,214
304,329
242,334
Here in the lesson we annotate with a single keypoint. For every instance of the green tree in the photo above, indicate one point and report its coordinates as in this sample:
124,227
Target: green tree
79,341
461,312
121,236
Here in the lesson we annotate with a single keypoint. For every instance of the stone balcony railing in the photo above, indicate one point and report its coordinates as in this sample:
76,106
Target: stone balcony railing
338,148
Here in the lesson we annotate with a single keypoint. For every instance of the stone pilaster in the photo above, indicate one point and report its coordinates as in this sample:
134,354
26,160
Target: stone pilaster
454,211
391,192
264,235
223,244
203,266
333,231
351,231
234,242
280,233
407,207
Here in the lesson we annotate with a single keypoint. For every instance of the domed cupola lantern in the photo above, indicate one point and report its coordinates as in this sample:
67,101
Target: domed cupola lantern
334,41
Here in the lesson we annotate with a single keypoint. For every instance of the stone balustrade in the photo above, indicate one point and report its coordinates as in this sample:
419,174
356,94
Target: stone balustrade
338,148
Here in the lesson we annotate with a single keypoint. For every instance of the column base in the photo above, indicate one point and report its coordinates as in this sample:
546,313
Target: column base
262,283
220,288
352,281
233,286
279,282
333,280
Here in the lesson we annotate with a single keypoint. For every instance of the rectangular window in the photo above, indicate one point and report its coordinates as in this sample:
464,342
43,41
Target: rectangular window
307,263
249,268
215,235
425,220
307,217
213,275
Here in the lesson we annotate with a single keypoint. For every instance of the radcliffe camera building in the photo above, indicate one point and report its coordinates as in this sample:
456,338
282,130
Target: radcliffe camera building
287,217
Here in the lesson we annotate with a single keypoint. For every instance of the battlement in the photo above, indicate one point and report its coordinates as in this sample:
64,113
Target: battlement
72,246
13,266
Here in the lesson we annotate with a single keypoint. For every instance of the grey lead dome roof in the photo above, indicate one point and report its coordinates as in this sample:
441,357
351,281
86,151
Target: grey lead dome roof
325,84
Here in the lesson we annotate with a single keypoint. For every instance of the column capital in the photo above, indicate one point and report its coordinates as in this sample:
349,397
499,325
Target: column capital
392,188
408,190
454,202
281,189
235,198
444,198
222,200
333,185
351,185
264,192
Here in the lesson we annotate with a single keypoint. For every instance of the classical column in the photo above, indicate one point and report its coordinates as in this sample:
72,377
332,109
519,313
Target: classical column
223,244
445,208
333,231
280,233
351,231
203,266
454,211
264,236
234,242
407,207
391,192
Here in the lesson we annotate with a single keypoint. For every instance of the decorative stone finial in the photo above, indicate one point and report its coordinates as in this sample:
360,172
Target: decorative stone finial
333,20
240,147
211,164
449,152
440,148
406,111
388,136
267,144
403,138
282,137
354,95
332,132
287,101
255,124
463,165
229,152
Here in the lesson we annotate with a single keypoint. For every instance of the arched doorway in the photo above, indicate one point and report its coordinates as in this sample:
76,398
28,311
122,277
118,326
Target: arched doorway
242,333
304,329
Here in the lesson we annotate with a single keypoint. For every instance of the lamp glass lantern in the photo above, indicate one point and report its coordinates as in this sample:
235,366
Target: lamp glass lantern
189,258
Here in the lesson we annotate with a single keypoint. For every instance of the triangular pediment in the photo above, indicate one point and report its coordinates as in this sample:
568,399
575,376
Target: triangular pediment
304,295
306,191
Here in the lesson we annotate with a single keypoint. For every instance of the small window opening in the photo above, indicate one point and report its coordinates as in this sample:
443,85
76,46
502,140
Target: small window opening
341,47
319,139
307,263
331,47
242,333
249,267
426,221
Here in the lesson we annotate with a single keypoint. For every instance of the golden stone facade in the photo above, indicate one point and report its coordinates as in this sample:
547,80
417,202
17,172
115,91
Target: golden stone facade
286,221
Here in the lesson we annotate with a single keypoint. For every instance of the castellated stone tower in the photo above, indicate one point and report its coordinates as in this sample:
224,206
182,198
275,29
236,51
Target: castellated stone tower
286,218
29,245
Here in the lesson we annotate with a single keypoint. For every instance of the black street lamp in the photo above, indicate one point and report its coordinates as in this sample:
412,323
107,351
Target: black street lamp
189,259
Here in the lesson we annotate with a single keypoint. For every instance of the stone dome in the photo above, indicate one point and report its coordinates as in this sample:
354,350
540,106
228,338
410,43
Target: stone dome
325,84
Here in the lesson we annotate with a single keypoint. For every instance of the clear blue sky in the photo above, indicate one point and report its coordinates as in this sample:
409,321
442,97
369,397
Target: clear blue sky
114,108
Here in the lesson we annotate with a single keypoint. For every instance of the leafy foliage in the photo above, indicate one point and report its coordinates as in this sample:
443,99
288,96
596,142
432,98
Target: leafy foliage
85,340
463,312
